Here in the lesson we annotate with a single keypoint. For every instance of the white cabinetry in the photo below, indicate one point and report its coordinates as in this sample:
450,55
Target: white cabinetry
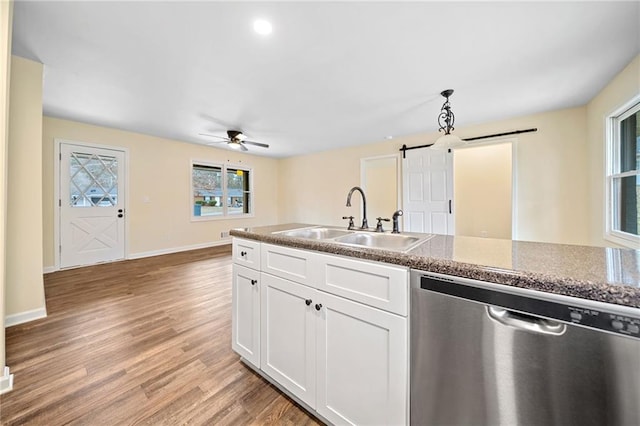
288,336
245,299
333,332
293,264
246,253
374,284
361,364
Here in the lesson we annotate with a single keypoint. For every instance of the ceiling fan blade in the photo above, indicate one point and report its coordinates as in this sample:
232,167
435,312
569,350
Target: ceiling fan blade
243,148
213,136
263,145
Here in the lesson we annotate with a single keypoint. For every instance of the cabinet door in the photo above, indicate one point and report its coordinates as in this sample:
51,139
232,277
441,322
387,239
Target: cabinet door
245,314
246,253
362,364
288,336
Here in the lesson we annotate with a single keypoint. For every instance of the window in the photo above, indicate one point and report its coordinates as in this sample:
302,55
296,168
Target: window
623,176
220,190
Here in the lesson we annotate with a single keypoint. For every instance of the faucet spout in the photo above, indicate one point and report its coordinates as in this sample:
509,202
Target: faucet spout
365,224
396,214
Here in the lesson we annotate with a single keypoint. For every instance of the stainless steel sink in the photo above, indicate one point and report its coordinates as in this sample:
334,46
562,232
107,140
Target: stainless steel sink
316,233
380,241
358,238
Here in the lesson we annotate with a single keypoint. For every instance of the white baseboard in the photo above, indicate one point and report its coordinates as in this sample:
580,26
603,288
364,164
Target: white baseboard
50,269
6,381
22,317
178,249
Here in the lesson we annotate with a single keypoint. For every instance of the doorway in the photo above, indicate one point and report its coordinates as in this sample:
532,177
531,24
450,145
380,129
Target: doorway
468,192
91,204
379,177
483,190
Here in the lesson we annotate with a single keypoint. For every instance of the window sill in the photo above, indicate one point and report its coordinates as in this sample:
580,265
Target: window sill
214,218
622,239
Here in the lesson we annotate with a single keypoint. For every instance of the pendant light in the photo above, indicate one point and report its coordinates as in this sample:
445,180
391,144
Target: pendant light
445,121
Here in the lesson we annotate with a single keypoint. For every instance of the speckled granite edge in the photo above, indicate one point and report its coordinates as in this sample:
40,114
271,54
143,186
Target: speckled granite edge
565,285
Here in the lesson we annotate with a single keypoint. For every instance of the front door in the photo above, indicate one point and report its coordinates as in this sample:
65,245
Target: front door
92,210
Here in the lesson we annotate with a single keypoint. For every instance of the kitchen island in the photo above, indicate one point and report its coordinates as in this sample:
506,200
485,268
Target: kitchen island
330,322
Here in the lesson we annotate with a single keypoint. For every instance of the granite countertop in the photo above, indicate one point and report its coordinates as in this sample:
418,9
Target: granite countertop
610,275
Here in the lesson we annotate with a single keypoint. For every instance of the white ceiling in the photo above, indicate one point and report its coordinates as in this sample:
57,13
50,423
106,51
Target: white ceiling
331,74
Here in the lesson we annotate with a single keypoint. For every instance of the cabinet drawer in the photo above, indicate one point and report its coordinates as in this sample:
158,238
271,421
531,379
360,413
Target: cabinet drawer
382,286
293,264
246,253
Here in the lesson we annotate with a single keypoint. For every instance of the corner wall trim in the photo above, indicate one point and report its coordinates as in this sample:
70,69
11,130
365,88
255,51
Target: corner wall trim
6,381
48,269
26,316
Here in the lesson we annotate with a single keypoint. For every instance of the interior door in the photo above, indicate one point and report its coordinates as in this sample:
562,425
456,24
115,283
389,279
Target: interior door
427,180
92,208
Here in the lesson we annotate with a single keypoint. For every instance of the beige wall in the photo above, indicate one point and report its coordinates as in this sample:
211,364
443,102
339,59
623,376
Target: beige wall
314,187
552,180
159,171
482,190
6,15
25,288
618,92
551,175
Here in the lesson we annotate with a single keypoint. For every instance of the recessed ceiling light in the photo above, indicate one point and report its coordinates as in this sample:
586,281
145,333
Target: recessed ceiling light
389,137
262,27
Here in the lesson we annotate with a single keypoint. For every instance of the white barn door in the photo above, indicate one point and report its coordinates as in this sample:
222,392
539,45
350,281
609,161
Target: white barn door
427,191
92,205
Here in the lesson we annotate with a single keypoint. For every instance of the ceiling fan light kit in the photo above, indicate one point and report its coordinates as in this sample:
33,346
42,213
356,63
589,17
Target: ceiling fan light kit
446,119
236,140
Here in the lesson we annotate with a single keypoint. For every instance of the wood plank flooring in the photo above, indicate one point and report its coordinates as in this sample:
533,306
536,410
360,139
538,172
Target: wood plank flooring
140,342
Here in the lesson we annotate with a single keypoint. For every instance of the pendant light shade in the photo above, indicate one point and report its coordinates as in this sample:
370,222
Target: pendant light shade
448,142
446,120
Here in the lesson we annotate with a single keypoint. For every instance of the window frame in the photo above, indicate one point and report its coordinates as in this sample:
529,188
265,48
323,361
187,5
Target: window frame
612,172
225,212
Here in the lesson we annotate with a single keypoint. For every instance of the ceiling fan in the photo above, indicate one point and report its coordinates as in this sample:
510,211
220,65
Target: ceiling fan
236,140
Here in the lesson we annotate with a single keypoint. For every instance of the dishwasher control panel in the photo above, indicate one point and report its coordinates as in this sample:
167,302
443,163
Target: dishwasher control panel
611,322
586,316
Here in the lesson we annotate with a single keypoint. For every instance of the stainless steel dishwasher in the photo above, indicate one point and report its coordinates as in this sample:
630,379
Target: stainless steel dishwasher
486,354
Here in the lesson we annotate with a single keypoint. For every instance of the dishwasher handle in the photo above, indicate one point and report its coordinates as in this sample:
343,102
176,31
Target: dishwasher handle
526,322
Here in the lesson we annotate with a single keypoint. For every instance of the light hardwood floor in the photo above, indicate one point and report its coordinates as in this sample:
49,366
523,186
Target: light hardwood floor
144,341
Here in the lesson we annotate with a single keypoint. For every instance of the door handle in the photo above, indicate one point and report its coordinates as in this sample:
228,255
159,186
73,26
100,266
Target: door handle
243,253
318,306
120,211
254,282
120,215
308,301
526,322
449,206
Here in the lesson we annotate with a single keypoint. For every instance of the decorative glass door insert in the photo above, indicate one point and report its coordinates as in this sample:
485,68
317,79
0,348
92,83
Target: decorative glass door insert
94,180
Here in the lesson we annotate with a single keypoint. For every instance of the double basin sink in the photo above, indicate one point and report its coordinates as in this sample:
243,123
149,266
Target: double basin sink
359,238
